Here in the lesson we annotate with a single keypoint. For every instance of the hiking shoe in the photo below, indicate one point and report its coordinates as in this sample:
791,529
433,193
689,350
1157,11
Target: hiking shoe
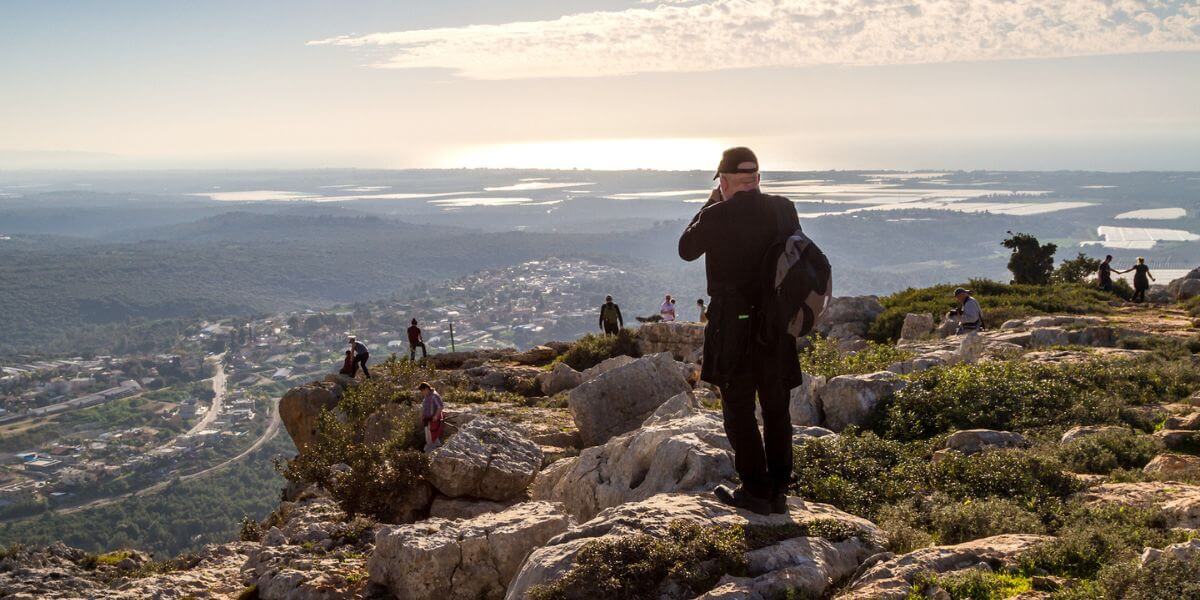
740,498
779,505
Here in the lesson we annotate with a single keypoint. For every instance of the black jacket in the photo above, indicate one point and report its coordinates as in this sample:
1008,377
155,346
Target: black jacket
733,236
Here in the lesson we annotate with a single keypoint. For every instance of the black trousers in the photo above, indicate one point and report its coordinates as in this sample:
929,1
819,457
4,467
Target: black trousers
412,351
611,328
763,460
361,360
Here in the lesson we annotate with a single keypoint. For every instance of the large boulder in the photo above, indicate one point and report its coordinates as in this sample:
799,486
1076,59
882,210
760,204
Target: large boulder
892,579
850,399
302,405
683,340
1179,502
470,559
559,379
680,447
1185,287
1173,465
916,326
486,459
1082,431
619,400
537,355
849,310
605,366
972,441
815,564
805,407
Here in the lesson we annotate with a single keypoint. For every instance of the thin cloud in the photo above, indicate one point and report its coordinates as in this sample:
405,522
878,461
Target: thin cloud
671,36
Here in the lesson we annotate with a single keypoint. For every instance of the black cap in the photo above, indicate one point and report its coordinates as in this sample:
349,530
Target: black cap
961,291
737,160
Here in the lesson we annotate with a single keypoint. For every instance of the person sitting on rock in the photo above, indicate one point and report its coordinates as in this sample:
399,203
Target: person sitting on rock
349,367
970,316
432,417
736,228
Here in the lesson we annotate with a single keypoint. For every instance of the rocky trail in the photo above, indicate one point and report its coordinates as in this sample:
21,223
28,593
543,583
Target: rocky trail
558,483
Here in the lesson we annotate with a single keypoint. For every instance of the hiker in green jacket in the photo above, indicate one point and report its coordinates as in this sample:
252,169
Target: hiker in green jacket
610,317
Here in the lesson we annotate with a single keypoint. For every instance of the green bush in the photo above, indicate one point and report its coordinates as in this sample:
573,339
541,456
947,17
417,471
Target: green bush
999,302
691,558
859,473
1166,577
1029,478
823,358
1076,270
1105,452
593,348
970,585
1090,537
379,476
939,519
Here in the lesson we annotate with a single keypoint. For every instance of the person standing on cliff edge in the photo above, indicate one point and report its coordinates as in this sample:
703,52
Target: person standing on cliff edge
734,231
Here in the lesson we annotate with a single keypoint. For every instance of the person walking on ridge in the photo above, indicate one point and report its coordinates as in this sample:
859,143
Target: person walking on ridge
1104,274
611,321
733,231
703,312
667,310
1140,281
361,354
415,341
970,316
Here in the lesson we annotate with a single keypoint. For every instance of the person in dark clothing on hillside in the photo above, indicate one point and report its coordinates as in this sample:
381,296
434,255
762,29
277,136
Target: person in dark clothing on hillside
733,231
610,317
361,354
415,341
348,365
1105,274
1141,279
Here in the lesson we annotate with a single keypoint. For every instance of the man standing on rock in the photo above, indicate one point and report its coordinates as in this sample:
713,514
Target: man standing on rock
415,341
734,231
361,354
610,317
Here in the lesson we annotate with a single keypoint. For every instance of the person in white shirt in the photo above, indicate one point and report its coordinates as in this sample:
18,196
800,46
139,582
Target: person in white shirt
667,310
970,316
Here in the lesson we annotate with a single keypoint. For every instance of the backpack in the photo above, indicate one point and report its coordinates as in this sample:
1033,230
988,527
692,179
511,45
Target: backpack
608,312
798,285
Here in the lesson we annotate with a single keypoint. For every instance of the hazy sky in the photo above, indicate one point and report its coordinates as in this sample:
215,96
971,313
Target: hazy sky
810,84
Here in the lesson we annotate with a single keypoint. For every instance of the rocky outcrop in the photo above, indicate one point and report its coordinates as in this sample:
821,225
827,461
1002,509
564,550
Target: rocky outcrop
1185,287
892,578
1173,465
682,340
850,399
469,358
804,405
916,326
681,447
302,405
486,459
559,379
537,355
849,317
471,559
464,508
972,441
605,366
1179,502
814,563
1082,431
619,400
1184,551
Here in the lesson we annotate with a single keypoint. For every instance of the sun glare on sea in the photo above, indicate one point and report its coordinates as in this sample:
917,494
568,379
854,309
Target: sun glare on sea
667,154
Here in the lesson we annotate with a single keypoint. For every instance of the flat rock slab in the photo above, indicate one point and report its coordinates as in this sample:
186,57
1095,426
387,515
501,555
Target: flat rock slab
487,459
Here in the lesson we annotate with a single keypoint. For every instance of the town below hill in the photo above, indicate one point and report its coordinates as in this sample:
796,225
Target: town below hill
1056,454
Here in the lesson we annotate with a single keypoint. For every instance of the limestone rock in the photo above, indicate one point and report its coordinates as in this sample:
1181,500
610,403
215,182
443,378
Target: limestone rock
918,364
619,400
683,340
1171,465
1184,551
455,360
849,399
468,560
464,508
561,378
892,579
1189,422
814,564
537,355
680,447
1179,502
486,459
301,405
605,366
972,441
1082,431
1178,439
858,312
805,408
916,326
